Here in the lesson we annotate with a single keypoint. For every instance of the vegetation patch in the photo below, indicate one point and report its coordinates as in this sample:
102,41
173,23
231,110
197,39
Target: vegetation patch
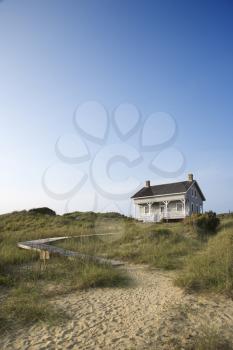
29,283
44,210
156,246
204,224
210,339
211,269
25,305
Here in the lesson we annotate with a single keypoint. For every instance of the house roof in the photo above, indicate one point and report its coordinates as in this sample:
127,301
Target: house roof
166,189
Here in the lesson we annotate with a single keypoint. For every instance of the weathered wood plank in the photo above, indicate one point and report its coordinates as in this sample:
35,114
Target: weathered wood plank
42,245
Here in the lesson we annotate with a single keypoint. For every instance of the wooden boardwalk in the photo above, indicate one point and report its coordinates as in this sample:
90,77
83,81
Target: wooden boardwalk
43,246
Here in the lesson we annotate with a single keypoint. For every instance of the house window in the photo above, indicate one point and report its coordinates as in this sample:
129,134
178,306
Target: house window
162,209
192,193
195,193
197,209
147,209
192,208
179,206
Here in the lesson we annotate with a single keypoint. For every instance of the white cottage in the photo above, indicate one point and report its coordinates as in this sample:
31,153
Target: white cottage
172,201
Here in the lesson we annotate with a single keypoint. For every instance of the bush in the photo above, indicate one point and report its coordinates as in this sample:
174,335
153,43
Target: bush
208,222
44,210
204,223
113,214
6,281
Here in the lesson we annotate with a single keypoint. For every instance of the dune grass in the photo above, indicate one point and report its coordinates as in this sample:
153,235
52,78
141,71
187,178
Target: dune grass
204,265
210,339
156,245
24,305
32,288
29,289
212,268
28,284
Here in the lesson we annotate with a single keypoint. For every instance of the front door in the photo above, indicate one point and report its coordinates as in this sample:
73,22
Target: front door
162,209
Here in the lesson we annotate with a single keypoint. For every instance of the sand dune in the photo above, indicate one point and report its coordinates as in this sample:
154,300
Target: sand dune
151,314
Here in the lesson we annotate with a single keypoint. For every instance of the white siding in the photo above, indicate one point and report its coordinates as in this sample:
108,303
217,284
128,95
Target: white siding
194,198
178,205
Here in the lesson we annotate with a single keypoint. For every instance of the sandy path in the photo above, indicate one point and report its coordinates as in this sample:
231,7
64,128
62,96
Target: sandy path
152,314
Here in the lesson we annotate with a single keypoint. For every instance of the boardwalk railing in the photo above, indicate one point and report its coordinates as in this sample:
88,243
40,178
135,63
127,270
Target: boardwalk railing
42,245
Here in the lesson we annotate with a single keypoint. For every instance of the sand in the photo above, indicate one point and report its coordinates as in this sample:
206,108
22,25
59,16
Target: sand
151,314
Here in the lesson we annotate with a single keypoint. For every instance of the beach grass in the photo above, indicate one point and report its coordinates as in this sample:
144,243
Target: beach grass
210,339
24,305
157,245
201,264
211,268
29,284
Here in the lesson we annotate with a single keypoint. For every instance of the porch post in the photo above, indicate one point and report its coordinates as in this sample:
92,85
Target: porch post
166,205
149,205
184,205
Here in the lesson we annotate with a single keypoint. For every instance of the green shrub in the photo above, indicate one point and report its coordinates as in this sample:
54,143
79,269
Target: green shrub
6,281
208,222
204,224
113,215
44,210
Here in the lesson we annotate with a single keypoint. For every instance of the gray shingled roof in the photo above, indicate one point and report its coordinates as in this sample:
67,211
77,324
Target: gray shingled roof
165,189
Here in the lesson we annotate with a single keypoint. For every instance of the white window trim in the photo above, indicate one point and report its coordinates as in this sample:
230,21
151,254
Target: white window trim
146,208
182,207
162,206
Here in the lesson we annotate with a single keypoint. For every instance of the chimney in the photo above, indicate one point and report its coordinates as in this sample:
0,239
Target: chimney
147,183
190,177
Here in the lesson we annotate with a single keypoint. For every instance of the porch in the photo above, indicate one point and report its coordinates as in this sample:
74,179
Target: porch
160,217
157,211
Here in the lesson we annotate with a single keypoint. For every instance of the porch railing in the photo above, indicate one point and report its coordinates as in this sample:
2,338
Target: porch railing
161,216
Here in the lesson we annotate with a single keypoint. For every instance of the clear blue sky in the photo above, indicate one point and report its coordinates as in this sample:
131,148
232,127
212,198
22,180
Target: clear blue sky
165,56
